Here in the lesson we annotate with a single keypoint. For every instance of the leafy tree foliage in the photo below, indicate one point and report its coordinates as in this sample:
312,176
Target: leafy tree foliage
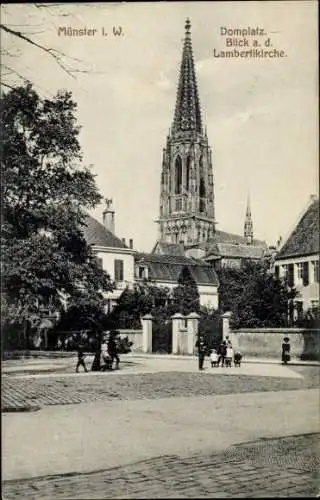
144,298
45,191
186,297
255,296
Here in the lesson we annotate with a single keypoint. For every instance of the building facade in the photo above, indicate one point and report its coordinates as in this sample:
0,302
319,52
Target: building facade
298,258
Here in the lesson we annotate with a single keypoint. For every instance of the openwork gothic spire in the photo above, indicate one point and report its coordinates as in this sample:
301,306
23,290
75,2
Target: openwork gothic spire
187,116
248,225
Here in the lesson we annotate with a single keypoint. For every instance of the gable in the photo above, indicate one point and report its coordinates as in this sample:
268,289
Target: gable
304,239
97,234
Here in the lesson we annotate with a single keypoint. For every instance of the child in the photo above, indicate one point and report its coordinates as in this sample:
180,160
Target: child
214,358
237,358
229,355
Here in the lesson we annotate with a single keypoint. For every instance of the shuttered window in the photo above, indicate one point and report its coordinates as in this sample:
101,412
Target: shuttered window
305,273
118,270
290,275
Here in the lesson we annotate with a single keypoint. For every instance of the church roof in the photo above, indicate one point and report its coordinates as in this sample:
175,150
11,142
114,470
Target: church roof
97,234
163,247
168,268
224,237
304,239
187,116
236,250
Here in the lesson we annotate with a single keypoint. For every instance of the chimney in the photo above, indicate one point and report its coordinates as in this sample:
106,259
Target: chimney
108,215
123,240
131,243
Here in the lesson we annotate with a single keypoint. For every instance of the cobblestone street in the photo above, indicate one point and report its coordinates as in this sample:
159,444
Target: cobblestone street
284,467
162,433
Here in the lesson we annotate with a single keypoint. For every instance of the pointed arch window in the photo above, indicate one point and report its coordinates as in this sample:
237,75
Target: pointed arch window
202,195
188,171
178,176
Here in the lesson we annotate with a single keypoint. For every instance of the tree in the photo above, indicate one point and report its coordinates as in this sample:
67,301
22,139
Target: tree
45,191
144,298
185,297
255,296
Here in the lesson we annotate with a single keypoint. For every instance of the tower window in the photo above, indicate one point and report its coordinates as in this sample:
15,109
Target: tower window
188,168
202,193
178,205
178,176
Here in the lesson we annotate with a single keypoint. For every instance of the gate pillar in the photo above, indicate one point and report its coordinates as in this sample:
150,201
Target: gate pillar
226,325
193,327
176,328
147,333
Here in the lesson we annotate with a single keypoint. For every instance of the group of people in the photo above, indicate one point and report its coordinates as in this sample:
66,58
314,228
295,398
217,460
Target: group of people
106,355
224,355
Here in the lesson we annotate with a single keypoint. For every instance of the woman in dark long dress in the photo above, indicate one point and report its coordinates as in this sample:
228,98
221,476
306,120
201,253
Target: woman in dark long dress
285,350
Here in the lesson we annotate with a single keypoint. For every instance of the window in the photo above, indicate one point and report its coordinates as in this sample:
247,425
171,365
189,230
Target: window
118,270
178,206
142,272
178,176
300,270
99,262
202,193
290,275
188,167
315,265
305,274
276,271
285,270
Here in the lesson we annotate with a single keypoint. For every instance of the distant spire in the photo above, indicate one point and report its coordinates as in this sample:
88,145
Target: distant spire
187,116
248,225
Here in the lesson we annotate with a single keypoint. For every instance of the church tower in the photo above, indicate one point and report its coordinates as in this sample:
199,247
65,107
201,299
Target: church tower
248,225
186,194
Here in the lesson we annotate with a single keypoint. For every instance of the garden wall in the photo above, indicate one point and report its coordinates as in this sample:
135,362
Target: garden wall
267,342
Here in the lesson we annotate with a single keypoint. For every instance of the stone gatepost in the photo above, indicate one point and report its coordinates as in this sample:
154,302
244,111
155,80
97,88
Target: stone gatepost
177,320
147,333
226,332
193,328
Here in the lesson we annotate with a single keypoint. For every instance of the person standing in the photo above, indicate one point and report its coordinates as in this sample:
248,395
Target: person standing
285,350
214,358
222,352
113,349
81,359
229,354
201,345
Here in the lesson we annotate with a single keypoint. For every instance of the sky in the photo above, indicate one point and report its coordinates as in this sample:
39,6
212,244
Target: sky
261,114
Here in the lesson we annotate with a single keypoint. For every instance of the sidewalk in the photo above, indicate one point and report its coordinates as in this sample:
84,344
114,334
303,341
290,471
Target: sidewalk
276,361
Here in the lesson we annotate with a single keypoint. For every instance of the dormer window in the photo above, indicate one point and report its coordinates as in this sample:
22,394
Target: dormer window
141,271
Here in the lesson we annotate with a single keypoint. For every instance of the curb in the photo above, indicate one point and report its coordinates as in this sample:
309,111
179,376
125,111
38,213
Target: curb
20,409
